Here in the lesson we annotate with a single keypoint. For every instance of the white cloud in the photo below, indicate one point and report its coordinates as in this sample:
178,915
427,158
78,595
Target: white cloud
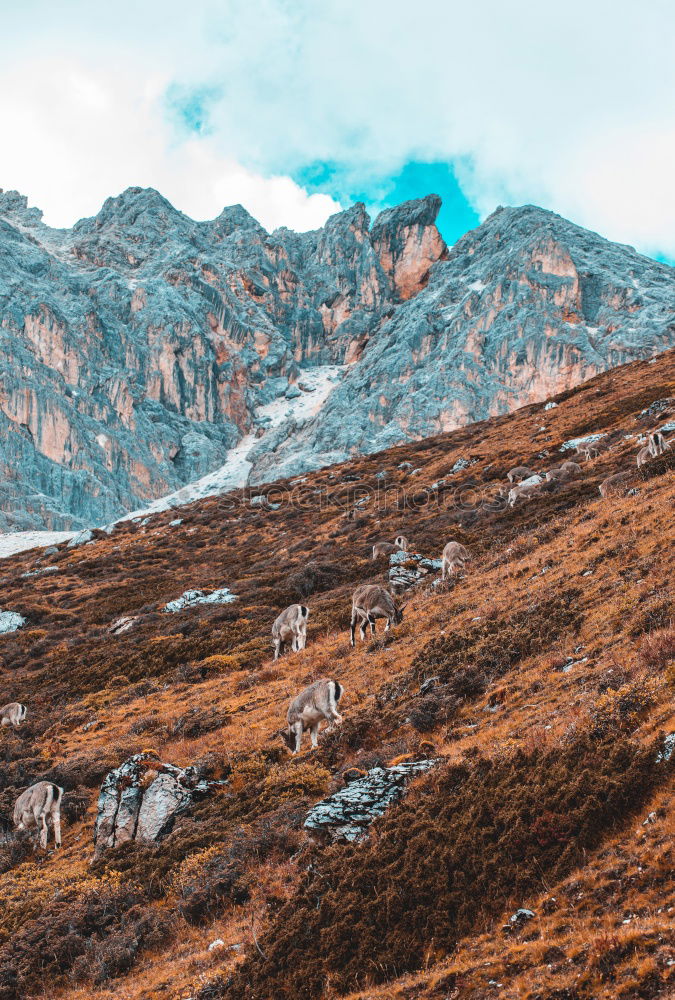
568,106
80,133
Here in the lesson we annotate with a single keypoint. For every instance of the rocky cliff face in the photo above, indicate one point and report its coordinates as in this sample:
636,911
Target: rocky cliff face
139,348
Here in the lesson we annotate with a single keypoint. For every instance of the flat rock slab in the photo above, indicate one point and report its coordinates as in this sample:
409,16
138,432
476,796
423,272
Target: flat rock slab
190,598
347,814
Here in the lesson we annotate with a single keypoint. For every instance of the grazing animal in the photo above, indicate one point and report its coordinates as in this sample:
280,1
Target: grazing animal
39,805
400,544
308,709
643,456
658,444
613,483
13,714
370,601
517,474
290,626
563,474
526,492
454,556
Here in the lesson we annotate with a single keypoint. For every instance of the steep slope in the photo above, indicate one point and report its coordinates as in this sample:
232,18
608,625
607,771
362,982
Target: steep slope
140,348
540,682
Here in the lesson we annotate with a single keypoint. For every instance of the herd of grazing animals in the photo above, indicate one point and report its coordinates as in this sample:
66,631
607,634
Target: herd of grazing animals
39,805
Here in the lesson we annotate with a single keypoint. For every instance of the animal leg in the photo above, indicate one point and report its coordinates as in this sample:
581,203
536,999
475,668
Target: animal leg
297,728
41,820
56,821
314,733
277,648
352,629
371,622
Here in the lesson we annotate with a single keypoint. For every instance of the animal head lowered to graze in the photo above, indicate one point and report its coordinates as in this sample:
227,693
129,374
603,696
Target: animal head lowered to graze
566,472
307,710
290,626
455,555
518,473
524,492
39,805
13,714
369,602
614,484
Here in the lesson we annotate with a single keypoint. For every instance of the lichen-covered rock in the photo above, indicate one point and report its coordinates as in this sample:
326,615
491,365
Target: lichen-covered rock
347,814
668,749
192,597
10,621
141,799
408,568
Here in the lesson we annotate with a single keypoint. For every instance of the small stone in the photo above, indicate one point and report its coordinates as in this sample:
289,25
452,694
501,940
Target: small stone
80,538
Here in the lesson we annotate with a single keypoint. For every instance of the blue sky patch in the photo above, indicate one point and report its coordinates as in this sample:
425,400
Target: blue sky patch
415,180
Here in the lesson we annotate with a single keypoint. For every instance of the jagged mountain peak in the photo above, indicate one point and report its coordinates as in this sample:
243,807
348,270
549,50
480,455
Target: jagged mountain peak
234,218
14,206
134,206
142,350
416,212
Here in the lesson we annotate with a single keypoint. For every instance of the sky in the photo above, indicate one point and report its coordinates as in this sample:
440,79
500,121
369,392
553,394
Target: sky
296,108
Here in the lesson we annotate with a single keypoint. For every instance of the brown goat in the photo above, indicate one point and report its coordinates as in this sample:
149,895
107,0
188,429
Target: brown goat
308,709
37,806
371,601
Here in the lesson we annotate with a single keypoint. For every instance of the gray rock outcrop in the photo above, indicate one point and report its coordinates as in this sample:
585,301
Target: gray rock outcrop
408,568
348,813
11,621
138,348
141,799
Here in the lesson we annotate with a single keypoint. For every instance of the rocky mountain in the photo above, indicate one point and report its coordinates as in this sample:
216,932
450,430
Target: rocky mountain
141,350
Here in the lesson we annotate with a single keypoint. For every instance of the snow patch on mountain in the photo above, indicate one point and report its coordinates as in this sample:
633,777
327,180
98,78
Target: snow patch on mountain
315,385
18,541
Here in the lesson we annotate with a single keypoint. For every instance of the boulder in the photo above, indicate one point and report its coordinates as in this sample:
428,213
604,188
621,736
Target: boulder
408,568
122,625
347,814
10,621
80,538
189,598
141,799
668,749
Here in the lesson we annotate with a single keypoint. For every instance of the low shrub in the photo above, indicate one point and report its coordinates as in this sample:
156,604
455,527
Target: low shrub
499,643
657,652
469,841
620,709
315,577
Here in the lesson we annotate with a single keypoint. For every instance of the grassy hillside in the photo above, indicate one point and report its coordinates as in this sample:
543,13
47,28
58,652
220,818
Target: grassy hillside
555,664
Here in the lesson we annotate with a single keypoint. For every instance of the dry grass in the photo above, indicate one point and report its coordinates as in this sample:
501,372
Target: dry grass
566,576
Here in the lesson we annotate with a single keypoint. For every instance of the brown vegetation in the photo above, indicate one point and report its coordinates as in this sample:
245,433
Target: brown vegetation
547,674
